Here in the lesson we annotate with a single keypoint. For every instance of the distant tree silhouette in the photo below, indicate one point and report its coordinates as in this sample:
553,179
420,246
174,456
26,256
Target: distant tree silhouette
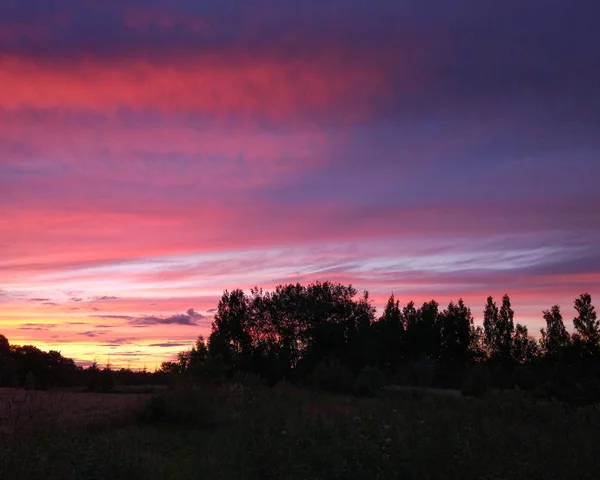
491,328
587,326
423,330
389,336
47,369
7,364
231,332
410,315
457,334
4,347
324,334
525,348
499,329
555,338
506,327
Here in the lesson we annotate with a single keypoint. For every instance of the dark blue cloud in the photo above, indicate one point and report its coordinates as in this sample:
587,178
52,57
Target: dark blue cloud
190,318
501,33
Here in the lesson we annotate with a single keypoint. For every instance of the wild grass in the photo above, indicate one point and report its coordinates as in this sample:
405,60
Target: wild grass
242,432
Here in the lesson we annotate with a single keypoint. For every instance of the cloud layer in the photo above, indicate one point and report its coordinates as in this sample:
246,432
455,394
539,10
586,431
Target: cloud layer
153,154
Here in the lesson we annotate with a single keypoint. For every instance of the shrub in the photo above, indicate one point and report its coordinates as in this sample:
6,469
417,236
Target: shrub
423,371
477,382
156,410
332,377
249,380
30,381
107,380
369,381
189,407
523,378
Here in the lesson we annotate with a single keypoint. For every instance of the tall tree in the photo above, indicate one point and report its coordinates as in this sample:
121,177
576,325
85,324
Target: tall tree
389,334
555,338
4,347
524,347
282,316
6,363
506,328
457,333
328,321
586,324
231,331
490,326
499,328
411,316
423,331
360,351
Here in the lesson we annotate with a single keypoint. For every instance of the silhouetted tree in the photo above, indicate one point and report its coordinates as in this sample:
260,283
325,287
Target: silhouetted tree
586,324
280,317
457,333
358,334
506,327
4,348
92,377
478,350
423,330
62,371
490,326
410,316
230,338
326,322
107,379
389,336
7,364
499,329
525,348
555,338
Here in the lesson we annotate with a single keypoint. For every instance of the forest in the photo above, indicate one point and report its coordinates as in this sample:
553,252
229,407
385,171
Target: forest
326,336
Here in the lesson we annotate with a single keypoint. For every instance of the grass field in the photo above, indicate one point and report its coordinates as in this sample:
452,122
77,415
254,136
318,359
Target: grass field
239,432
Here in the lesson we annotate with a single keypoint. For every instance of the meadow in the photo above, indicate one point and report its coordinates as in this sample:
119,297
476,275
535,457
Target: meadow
244,430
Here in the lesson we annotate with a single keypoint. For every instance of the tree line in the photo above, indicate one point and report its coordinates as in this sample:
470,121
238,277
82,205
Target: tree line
325,333
29,367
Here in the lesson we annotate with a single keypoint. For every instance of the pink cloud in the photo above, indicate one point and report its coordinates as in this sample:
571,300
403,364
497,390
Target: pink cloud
208,84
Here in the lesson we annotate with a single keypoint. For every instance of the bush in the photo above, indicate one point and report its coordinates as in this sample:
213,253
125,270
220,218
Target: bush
156,410
332,377
477,382
189,407
249,380
523,379
369,381
30,381
423,372
107,380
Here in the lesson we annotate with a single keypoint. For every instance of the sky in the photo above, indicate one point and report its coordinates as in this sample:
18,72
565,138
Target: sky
154,154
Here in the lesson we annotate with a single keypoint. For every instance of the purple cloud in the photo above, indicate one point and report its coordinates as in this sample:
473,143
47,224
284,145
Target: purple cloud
190,318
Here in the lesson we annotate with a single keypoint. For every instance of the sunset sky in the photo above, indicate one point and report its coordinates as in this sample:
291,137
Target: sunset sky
154,154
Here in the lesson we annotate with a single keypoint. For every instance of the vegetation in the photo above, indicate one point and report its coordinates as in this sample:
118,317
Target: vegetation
426,394
247,431
29,367
322,335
